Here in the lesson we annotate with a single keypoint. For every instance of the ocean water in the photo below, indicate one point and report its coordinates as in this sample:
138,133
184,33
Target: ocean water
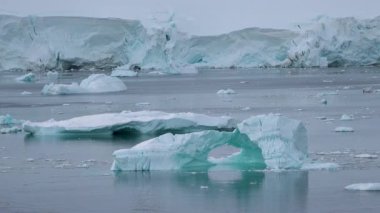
72,174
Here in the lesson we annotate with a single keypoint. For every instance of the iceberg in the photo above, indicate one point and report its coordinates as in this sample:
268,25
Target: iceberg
95,83
78,43
142,122
266,141
283,141
187,151
8,120
8,130
346,117
364,187
29,77
123,71
9,125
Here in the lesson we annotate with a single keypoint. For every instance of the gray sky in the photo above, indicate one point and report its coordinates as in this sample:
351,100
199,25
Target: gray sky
201,16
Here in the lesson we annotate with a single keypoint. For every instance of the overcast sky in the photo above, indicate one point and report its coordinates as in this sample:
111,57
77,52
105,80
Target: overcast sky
201,16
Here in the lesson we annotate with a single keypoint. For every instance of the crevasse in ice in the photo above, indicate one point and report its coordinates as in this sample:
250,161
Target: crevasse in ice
265,141
66,43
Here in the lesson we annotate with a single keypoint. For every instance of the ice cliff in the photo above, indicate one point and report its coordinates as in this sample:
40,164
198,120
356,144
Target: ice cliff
74,43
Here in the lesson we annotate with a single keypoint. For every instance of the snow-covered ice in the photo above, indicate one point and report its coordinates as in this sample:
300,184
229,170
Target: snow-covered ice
364,187
144,122
344,129
95,83
346,117
369,156
123,71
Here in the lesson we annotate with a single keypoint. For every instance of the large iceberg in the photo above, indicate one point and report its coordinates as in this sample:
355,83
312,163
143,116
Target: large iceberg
75,43
187,151
143,122
265,141
95,83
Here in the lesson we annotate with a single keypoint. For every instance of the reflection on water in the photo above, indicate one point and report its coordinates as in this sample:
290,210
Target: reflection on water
214,191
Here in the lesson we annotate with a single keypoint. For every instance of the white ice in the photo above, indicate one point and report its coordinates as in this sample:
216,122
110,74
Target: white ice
95,83
346,117
344,129
226,92
369,156
123,71
319,166
364,187
144,122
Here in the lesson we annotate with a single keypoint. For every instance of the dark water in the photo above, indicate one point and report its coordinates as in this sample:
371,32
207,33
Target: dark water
71,174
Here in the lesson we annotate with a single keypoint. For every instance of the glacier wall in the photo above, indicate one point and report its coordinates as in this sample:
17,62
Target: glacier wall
78,43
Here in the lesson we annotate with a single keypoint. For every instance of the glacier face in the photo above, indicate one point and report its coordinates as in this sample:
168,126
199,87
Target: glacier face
143,122
265,141
65,43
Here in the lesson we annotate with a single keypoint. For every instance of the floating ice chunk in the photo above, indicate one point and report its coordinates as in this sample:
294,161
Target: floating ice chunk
8,130
95,83
226,92
246,108
123,71
283,141
29,77
187,151
142,104
327,81
319,166
369,156
8,120
368,90
364,187
144,122
328,93
346,117
344,129
26,93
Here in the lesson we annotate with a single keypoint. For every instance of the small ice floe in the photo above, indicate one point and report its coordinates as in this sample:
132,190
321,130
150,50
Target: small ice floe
30,159
346,87
124,71
323,118
344,129
204,187
368,90
29,77
346,117
323,101
83,165
63,166
319,166
299,109
142,104
245,108
9,130
363,187
226,92
369,156
327,81
243,82
328,93
157,73
26,93
65,104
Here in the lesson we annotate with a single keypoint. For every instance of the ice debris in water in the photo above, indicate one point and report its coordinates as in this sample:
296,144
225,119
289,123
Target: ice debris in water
266,141
344,129
9,125
323,101
364,187
26,93
29,77
226,92
319,166
369,156
123,71
8,130
95,83
346,117
144,122
8,120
